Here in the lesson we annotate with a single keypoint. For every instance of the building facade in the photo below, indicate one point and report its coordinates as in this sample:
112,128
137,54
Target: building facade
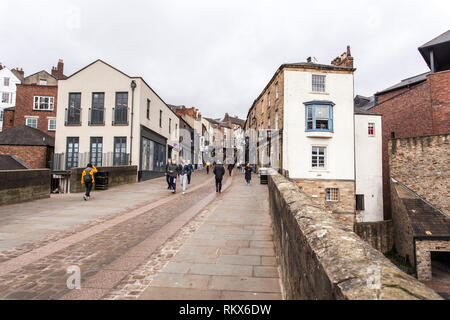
110,119
8,85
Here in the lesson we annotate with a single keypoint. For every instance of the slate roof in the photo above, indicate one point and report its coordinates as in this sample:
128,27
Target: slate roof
363,111
236,120
25,136
443,38
426,220
407,82
363,102
9,162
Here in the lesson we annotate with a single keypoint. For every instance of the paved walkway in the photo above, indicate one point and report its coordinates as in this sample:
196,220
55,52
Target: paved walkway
231,256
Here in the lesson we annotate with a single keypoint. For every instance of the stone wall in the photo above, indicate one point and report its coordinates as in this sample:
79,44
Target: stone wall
423,255
116,176
24,185
344,209
320,259
422,164
379,234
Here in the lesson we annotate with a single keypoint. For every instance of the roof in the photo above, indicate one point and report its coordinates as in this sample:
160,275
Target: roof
441,52
407,82
9,162
212,120
25,136
426,220
363,111
364,102
445,37
236,120
40,72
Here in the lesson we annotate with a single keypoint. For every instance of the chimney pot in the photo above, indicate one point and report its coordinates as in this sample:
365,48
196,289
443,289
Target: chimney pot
308,60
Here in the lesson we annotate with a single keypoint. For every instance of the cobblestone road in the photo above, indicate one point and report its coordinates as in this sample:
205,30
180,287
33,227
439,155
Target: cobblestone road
106,249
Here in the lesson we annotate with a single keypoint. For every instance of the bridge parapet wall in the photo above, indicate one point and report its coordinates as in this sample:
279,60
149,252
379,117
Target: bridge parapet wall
321,259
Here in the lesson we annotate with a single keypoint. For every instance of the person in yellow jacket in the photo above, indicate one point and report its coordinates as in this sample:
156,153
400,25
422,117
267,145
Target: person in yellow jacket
87,178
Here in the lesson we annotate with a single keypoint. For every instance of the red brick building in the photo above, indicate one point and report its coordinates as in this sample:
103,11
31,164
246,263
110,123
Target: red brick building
416,106
36,100
31,146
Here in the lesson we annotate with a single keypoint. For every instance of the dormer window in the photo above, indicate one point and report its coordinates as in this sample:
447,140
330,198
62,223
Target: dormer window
319,116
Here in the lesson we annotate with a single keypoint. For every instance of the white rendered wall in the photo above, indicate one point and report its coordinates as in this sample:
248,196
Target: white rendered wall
11,89
369,179
296,143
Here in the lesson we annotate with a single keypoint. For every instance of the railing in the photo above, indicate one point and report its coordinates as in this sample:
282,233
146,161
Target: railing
96,116
120,116
72,117
58,160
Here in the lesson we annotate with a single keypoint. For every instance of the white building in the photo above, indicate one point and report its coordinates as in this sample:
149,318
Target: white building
322,145
8,83
369,176
101,119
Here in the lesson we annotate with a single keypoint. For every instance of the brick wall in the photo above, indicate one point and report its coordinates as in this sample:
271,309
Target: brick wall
423,109
36,157
344,209
321,260
422,164
24,105
8,119
116,176
24,185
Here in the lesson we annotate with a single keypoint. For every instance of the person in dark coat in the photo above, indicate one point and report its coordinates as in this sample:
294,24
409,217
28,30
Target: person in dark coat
169,162
219,172
230,168
173,171
191,169
248,173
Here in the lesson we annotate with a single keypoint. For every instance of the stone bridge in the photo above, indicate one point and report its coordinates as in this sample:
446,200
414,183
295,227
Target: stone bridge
140,241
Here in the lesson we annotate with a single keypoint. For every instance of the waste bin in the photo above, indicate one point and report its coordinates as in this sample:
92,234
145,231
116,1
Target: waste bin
101,181
263,175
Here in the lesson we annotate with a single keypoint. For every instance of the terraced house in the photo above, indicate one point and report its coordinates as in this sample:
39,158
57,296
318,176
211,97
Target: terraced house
111,119
307,128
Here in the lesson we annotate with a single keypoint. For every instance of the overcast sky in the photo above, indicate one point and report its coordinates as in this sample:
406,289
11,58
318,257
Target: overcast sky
218,55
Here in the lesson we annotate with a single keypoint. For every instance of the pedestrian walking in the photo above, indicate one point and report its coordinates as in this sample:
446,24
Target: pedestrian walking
173,172
191,169
248,173
87,178
219,172
169,162
230,168
184,172
207,167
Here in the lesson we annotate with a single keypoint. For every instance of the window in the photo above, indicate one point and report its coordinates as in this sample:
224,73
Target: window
31,122
276,91
318,157
148,109
120,151
318,83
268,123
6,82
268,99
160,118
176,130
319,117
1,115
332,194
72,150
392,135
121,108
262,106
51,124
371,129
170,125
74,110
43,103
96,151
5,97
276,120
43,82
359,202
98,108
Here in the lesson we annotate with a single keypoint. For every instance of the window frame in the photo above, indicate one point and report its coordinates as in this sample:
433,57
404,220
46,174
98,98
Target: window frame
5,94
96,107
5,80
37,103
122,142
313,105
276,91
31,118
160,118
369,126
359,198
74,156
328,194
98,159
48,127
325,158
314,85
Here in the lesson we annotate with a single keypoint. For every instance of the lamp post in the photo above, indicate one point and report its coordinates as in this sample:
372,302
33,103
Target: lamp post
133,86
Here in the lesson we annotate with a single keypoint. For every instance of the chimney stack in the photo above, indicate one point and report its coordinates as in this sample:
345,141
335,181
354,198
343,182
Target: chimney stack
344,60
18,72
58,72
1,66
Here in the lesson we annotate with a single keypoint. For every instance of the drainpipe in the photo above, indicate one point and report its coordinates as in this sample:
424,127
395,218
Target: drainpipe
133,86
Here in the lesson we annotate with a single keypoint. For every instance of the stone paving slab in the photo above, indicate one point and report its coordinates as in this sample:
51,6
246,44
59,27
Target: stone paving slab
231,256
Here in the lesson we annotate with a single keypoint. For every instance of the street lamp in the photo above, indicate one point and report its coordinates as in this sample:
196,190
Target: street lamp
133,86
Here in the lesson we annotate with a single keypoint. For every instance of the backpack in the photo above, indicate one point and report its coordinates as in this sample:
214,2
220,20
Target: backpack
87,178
